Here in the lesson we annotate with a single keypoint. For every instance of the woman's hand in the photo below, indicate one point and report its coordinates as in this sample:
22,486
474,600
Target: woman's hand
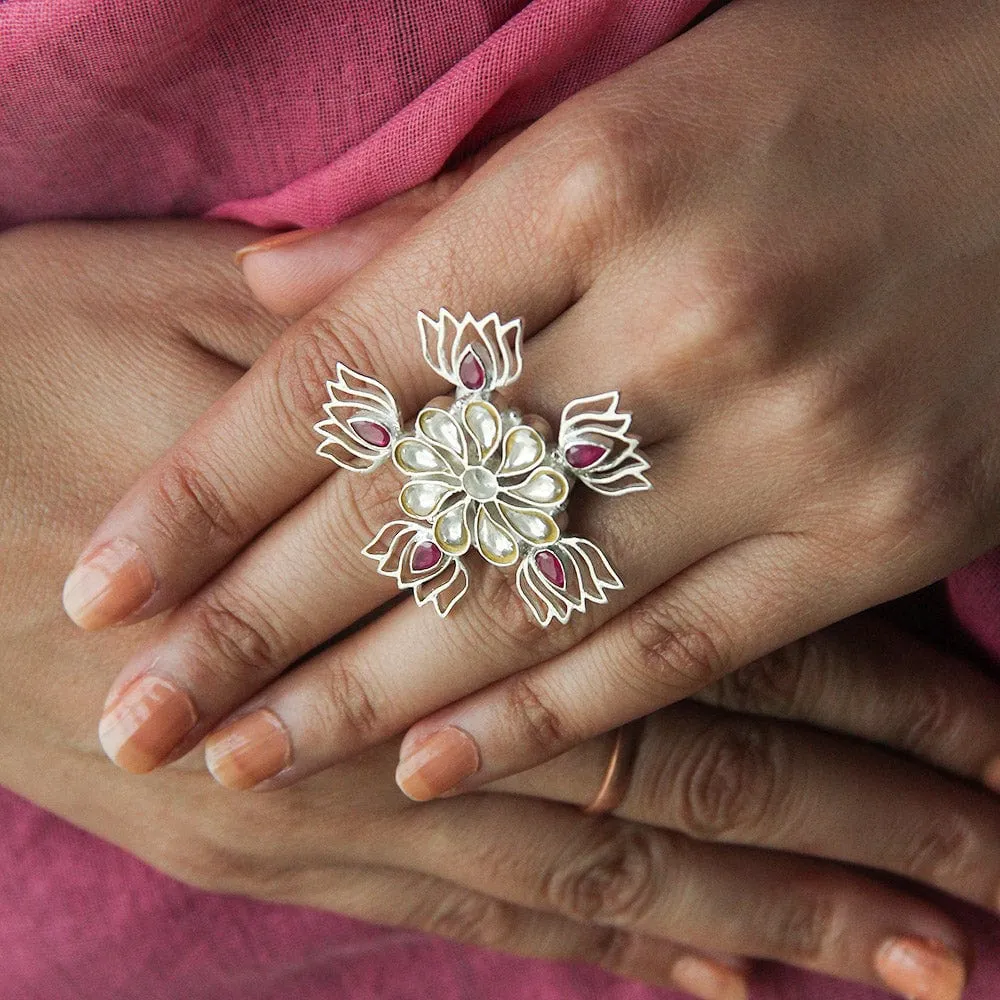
778,237
709,848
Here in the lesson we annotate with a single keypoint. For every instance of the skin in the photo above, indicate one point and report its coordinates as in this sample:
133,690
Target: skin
748,813
791,277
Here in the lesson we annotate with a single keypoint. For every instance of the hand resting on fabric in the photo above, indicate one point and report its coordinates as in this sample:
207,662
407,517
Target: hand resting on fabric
778,237
748,811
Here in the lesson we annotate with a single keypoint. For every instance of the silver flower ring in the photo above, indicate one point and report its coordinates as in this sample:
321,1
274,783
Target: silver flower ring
479,477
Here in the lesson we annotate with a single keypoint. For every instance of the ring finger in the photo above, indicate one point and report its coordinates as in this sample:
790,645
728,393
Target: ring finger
737,779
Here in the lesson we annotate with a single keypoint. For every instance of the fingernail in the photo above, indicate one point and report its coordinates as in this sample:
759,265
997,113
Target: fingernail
150,718
708,980
273,242
921,970
991,776
249,751
438,764
108,585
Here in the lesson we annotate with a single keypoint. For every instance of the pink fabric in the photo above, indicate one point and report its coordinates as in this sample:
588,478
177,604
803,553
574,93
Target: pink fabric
975,597
286,112
281,111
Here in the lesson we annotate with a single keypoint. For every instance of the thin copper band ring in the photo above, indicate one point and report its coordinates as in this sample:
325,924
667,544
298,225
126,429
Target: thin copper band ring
618,776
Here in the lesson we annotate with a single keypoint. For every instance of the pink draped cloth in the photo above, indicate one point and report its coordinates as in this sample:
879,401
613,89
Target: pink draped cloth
289,112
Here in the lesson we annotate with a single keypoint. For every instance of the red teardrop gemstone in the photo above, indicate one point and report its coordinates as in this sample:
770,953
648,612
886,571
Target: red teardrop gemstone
583,456
471,370
551,567
372,432
425,556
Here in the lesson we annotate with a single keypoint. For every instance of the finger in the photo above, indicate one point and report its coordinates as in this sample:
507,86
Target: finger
868,678
404,898
762,782
252,455
374,683
294,272
719,614
809,913
303,582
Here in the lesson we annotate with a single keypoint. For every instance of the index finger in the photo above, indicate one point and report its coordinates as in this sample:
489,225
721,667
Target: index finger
251,456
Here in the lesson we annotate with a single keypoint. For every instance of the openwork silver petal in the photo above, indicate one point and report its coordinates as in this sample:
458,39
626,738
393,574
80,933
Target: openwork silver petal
362,420
486,352
593,426
560,580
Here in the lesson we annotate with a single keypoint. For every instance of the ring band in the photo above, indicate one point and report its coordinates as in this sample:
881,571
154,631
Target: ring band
618,775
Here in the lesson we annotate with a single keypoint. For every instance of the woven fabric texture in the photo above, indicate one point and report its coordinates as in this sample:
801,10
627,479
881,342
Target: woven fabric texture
280,112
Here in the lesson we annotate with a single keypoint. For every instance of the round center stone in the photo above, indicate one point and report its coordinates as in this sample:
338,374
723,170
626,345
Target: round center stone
479,483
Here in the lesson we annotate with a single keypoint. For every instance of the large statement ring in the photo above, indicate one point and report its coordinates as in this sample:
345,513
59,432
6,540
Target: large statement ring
479,477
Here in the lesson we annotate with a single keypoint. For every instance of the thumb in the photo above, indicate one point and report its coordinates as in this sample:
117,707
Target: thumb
293,272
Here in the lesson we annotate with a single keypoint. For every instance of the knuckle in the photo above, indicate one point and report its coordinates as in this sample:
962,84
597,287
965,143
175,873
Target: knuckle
614,879
201,862
669,652
943,495
912,503
501,614
357,507
584,190
304,363
946,852
198,868
594,192
306,359
191,500
717,311
780,683
188,859
800,927
611,949
891,508
471,919
930,720
538,721
347,709
233,631
804,411
732,782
